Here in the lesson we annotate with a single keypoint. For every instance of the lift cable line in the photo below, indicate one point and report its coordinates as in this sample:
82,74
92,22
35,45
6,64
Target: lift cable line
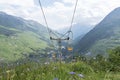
64,37
70,31
50,32
73,15
44,16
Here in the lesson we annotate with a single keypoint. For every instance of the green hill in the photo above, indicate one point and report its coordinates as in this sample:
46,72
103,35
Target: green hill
103,37
19,36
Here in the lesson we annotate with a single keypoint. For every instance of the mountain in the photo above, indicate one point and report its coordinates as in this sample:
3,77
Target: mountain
78,30
103,36
20,37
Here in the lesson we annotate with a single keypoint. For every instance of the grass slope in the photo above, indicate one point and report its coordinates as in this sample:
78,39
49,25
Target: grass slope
102,46
19,37
12,47
56,71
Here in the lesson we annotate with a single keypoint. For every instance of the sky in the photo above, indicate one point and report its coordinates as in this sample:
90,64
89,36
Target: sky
59,12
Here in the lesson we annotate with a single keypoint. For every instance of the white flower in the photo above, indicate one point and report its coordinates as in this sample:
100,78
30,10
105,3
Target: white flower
80,75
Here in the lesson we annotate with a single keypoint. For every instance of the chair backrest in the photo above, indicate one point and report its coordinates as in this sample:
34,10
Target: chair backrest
69,48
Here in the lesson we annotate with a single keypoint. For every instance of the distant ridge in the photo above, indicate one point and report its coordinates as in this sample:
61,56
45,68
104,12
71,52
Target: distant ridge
103,36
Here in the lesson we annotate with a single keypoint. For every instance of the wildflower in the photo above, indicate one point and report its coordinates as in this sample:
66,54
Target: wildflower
43,74
46,63
55,79
54,68
28,69
71,72
22,74
80,75
0,77
8,71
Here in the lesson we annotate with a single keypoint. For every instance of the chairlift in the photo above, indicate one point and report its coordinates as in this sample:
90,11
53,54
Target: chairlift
69,48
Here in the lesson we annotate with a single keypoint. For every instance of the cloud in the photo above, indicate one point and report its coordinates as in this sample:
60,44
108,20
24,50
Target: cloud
17,7
46,3
59,12
88,12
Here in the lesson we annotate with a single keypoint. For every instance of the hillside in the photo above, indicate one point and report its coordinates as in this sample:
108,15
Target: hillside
80,30
103,36
20,37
